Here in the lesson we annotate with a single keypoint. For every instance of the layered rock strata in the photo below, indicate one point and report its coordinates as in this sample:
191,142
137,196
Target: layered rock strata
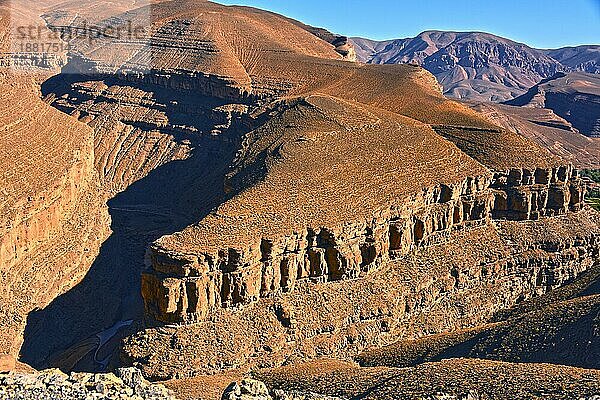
490,268
574,97
187,288
50,196
547,129
525,194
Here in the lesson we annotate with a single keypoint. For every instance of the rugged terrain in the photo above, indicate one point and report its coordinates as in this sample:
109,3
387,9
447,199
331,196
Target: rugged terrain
128,383
478,66
53,219
547,129
272,203
574,97
450,379
579,58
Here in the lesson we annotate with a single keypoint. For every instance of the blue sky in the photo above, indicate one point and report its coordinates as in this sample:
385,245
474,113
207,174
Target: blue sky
539,23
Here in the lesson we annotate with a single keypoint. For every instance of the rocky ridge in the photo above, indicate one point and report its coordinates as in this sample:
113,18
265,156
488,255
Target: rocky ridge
579,58
478,66
574,97
185,288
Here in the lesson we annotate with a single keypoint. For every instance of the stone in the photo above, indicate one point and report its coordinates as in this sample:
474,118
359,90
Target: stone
131,377
298,395
55,385
247,389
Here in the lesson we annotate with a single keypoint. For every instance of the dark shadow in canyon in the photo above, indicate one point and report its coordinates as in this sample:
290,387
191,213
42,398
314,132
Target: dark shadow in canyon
167,200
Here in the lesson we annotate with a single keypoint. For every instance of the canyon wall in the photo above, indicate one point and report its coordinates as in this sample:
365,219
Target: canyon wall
582,110
454,283
574,97
55,218
188,287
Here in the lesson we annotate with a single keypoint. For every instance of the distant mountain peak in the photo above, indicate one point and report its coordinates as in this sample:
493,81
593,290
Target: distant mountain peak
478,65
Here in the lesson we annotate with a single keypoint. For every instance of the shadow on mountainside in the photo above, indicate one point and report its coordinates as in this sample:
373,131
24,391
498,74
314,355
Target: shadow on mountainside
66,334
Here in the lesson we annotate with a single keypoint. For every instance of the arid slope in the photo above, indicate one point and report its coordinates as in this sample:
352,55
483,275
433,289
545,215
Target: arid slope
53,219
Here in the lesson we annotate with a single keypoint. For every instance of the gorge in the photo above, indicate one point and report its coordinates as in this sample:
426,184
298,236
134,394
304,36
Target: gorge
231,196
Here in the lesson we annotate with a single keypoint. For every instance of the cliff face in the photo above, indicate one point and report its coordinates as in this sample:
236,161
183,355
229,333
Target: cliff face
189,289
184,288
490,268
53,216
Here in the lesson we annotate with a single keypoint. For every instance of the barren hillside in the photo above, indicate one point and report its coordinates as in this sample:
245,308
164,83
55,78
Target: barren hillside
574,97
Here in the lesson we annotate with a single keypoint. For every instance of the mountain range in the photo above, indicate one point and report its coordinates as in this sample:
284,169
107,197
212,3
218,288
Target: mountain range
476,65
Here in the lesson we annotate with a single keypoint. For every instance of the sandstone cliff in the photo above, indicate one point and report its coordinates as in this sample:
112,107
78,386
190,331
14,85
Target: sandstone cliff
50,196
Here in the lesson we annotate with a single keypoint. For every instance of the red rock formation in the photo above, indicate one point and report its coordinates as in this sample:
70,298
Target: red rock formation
53,215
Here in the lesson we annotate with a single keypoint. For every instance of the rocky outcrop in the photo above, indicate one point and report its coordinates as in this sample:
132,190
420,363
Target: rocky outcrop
523,194
55,385
247,389
251,389
342,44
188,288
183,288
